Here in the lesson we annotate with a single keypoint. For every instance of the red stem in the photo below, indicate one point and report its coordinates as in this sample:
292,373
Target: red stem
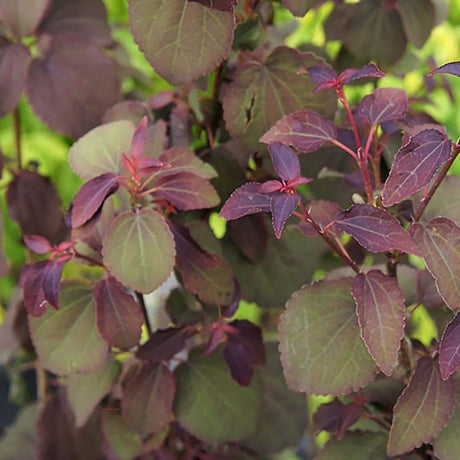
345,148
344,101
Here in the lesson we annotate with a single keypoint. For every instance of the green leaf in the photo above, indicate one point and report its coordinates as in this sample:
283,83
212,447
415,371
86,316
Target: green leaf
285,266
148,398
99,151
123,441
447,445
263,92
423,408
182,40
211,405
84,391
321,348
284,413
138,249
356,446
67,340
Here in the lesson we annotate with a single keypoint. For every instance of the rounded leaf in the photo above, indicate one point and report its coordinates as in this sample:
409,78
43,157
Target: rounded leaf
67,340
138,249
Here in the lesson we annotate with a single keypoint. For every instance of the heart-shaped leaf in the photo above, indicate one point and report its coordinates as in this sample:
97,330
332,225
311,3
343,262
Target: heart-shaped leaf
285,161
282,206
245,200
138,249
381,316
415,165
75,344
440,243
319,356
305,130
215,392
423,408
181,39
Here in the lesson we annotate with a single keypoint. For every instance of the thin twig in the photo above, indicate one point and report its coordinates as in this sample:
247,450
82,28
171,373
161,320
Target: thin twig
140,299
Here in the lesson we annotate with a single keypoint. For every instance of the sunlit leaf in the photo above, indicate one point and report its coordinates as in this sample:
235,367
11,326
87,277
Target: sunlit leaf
305,130
381,316
415,164
263,92
75,344
147,399
440,243
321,348
99,151
85,391
119,317
138,249
182,40
205,388
422,410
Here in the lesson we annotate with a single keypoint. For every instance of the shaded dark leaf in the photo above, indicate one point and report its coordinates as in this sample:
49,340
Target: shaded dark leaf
244,350
282,206
37,244
376,229
63,439
119,317
305,130
440,243
248,105
427,293
325,357
33,202
171,46
416,419
82,22
415,165
88,71
245,200
298,7
128,110
21,17
91,197
32,283
449,348
323,213
418,19
163,344
14,64
222,5
207,275
350,414
445,202
148,398
285,161
229,310
382,105
187,191
381,316
52,282
327,417
249,233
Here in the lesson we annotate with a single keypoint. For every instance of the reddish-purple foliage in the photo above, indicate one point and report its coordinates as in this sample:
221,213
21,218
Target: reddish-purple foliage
449,348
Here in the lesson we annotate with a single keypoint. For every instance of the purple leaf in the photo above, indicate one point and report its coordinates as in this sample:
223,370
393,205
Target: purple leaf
163,344
65,65
221,5
351,413
427,293
422,410
368,71
207,275
452,68
118,316
91,197
139,137
320,74
285,161
244,350
384,104
82,22
376,229
34,203
14,64
37,244
271,186
187,191
323,213
22,17
52,282
245,200
32,283
230,309
282,206
449,348
415,165
327,417
440,243
148,398
305,130
381,316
